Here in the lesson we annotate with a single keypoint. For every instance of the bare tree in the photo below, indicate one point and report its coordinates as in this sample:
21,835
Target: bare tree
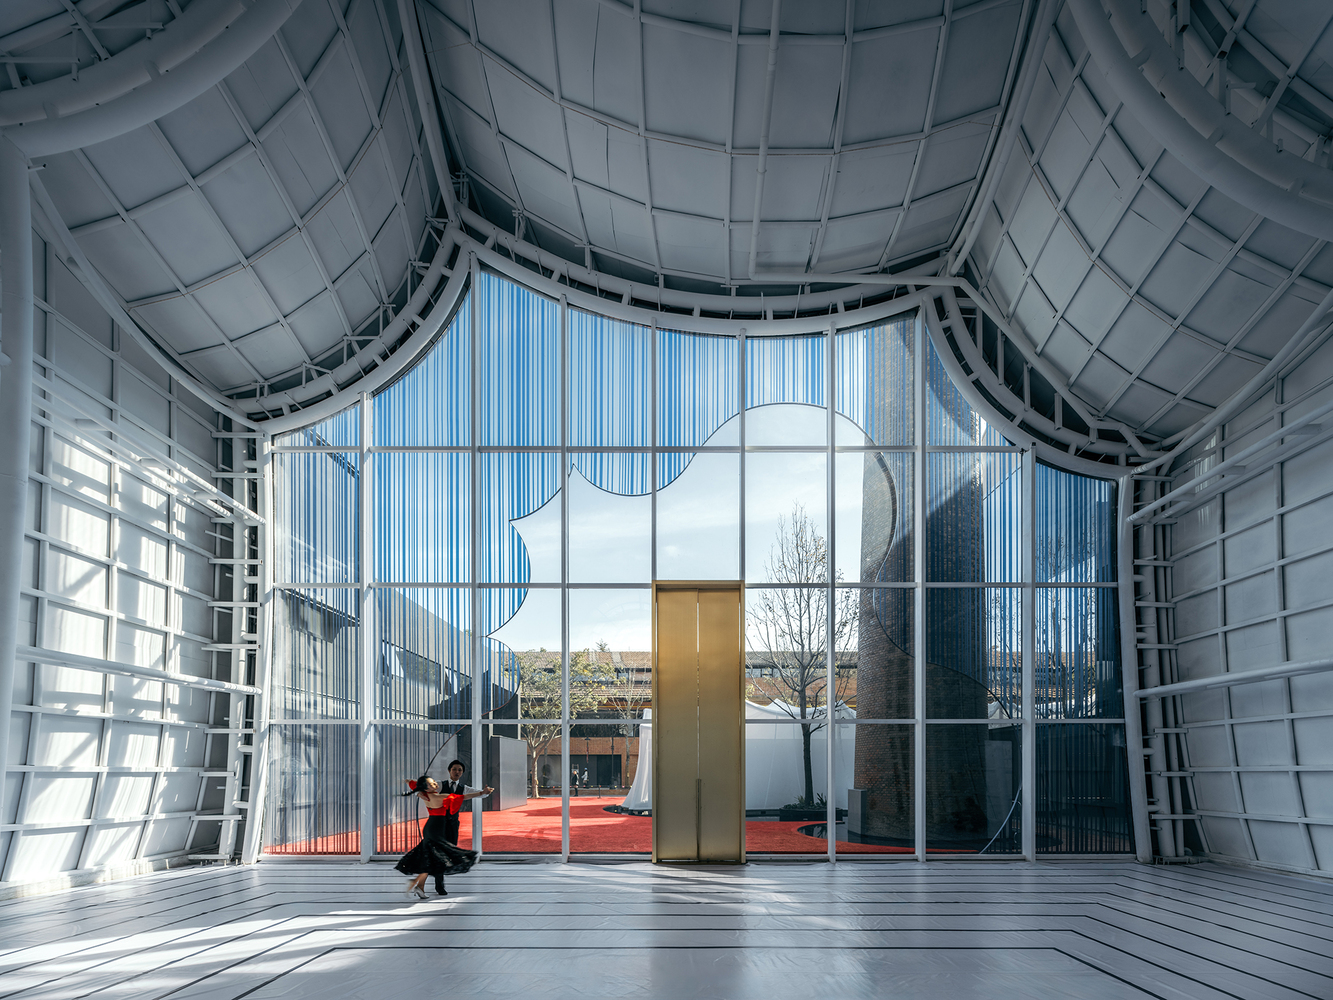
790,629
539,698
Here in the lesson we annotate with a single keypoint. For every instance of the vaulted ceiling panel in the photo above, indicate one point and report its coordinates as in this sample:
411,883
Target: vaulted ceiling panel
794,187
335,236
297,155
313,324
890,85
119,256
1178,278
76,196
519,31
190,328
236,304
690,244
544,190
856,241
930,222
134,167
273,346
308,33
1175,364
683,76
187,235
289,274
262,85
525,115
203,132
373,191
356,293
870,180
953,157
248,204
805,96
1061,267
689,179
976,60
341,108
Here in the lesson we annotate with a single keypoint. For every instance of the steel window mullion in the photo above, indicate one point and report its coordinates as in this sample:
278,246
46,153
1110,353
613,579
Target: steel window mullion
564,396
475,519
1028,781
831,594
365,640
919,575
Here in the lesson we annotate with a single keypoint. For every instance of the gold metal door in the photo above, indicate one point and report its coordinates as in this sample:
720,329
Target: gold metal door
698,723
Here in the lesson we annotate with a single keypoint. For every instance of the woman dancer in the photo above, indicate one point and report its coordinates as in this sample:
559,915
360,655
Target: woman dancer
435,855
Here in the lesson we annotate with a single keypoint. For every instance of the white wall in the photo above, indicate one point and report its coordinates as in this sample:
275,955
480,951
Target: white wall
108,770
1252,576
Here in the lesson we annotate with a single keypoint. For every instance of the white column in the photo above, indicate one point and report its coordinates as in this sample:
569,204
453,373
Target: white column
15,413
830,688
1129,672
368,643
919,574
1028,784
563,396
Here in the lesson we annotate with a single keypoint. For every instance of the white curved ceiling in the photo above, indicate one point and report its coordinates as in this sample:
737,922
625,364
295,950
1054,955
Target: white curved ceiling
257,232
636,130
262,232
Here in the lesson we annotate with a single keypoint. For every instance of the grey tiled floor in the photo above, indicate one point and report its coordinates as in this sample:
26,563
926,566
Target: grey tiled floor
950,930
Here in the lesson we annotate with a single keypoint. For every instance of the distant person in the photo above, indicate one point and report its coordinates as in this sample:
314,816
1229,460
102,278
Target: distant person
585,777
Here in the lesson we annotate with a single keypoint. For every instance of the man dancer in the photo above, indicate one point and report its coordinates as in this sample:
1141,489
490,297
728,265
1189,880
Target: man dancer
454,786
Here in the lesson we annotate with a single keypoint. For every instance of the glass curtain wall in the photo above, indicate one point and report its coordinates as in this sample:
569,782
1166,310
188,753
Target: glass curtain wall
464,563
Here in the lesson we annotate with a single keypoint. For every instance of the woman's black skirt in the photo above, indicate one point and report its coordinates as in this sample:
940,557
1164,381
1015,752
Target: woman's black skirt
435,855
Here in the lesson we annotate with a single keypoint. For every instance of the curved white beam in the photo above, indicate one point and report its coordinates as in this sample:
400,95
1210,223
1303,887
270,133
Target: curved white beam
121,101
1218,147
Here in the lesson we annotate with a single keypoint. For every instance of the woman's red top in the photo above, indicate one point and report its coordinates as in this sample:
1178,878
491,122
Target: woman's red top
449,807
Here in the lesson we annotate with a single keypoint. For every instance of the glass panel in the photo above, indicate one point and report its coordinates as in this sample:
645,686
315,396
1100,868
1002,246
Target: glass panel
519,514
316,635
786,512
313,777
607,758
1078,654
519,365
608,381
875,508
1075,528
786,785
424,654
610,638
785,370
787,638
610,527
973,774
1082,790
316,512
879,662
698,378
875,383
973,653
431,404
974,517
401,754
876,770
950,419
698,517
423,532
342,430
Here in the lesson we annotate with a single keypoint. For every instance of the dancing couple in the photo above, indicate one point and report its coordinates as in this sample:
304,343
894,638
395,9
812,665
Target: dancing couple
438,853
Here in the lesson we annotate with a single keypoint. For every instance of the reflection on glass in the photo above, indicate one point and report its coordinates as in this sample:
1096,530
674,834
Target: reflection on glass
880,816
609,798
698,518
518,372
424,655
786,784
1075,528
973,774
610,533
422,542
317,507
875,383
610,660
881,661
786,517
313,781
342,430
1082,790
431,403
519,495
973,653
950,419
402,753
1078,654
788,370
875,504
608,381
316,634
973,517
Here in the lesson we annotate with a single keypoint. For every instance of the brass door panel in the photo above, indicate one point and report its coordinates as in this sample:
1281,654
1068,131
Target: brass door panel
675,727
698,723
